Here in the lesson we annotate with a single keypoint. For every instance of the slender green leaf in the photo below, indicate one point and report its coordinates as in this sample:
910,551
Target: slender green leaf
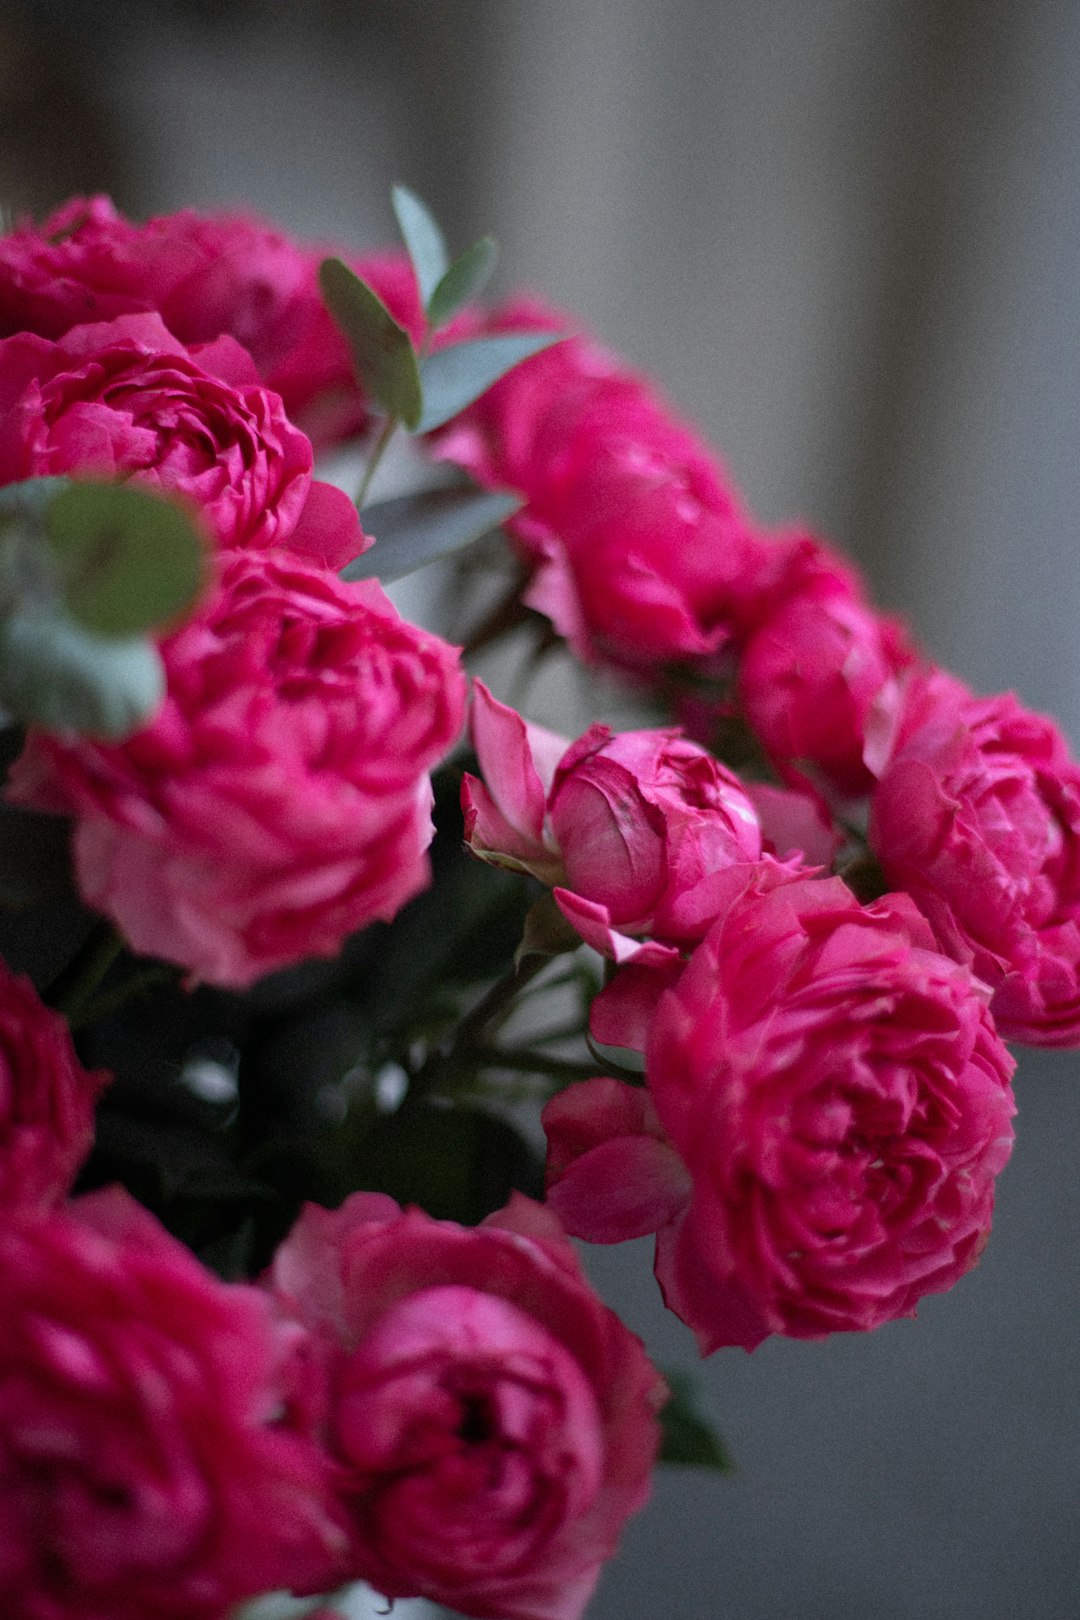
465,278
382,351
453,377
688,1439
414,530
423,239
129,560
56,674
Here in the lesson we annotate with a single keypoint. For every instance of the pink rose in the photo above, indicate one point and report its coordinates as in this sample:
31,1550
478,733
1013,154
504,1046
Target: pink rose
125,399
85,262
280,799
492,1421
611,1172
145,1469
207,275
632,827
819,676
795,821
840,1099
642,553
978,817
46,1100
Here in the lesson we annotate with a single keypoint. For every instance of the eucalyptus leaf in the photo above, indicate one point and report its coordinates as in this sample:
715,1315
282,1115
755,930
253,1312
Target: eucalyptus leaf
27,571
423,239
414,530
465,278
30,498
688,1439
56,674
453,377
129,560
382,351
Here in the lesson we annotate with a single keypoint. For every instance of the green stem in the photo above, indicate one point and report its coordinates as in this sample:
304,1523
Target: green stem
74,985
491,1011
520,1060
386,433
147,979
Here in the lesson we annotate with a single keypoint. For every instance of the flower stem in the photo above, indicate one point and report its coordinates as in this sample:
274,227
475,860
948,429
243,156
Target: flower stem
386,433
492,1010
75,984
521,1060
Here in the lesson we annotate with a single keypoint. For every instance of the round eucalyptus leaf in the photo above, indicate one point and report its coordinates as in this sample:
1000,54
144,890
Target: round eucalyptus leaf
30,498
53,673
129,561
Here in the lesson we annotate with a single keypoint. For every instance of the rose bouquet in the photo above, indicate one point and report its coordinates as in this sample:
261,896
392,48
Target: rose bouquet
337,996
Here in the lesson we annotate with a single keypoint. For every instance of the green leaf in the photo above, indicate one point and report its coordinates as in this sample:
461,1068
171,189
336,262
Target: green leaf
466,277
423,239
129,560
546,932
30,498
453,377
414,530
55,674
619,1060
382,351
687,1438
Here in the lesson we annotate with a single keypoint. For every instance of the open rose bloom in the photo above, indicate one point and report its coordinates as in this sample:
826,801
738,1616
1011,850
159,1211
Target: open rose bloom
491,1422
146,1472
279,1310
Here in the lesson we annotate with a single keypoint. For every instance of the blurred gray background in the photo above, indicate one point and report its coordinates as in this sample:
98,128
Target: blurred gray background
845,236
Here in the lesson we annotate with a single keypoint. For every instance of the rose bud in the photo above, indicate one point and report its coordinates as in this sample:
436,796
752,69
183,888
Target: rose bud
632,827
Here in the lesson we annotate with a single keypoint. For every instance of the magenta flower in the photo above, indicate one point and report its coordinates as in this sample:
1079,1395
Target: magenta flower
125,400
491,1421
147,1471
839,1096
978,817
47,1100
642,553
632,828
281,798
